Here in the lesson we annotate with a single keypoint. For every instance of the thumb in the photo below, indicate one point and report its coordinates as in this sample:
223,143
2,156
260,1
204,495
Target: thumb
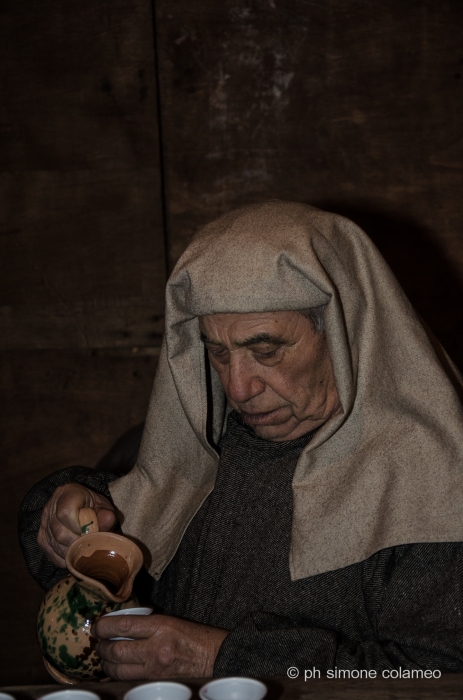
106,519
105,512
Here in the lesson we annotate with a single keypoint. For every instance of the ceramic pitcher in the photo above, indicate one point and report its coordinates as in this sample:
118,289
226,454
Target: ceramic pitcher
103,566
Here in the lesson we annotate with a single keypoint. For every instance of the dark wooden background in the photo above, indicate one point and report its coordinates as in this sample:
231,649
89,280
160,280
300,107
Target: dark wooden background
126,125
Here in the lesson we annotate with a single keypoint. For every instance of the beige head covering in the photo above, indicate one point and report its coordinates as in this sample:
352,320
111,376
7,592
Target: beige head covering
388,471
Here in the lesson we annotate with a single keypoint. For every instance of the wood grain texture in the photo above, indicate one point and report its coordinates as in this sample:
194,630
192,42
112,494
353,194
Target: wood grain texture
82,258
78,85
81,239
349,105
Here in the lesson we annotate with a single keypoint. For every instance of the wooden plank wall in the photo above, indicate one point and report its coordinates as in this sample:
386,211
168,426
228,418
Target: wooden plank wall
351,105
82,257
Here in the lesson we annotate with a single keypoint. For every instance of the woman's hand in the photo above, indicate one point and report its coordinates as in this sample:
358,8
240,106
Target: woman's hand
60,526
161,647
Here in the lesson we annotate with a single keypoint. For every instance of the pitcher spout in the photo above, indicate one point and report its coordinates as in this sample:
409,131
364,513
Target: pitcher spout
106,564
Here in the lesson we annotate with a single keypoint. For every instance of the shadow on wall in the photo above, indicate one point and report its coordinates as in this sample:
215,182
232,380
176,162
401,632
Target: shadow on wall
121,457
428,277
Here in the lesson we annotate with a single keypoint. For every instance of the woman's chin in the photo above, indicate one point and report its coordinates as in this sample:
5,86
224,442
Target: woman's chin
277,433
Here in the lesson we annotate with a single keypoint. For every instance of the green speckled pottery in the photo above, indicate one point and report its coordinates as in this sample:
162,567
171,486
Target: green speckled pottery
103,567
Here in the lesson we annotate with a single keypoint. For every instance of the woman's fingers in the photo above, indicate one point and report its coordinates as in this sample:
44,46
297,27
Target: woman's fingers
60,519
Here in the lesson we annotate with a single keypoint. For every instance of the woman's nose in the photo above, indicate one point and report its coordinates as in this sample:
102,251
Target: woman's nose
243,384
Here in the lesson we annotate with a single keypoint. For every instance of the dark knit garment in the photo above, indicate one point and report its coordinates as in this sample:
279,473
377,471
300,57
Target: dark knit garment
401,607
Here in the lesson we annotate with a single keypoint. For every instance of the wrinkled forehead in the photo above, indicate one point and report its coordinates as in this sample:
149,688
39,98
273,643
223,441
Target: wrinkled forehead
276,329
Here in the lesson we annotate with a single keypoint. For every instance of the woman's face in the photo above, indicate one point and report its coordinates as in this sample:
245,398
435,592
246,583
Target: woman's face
275,370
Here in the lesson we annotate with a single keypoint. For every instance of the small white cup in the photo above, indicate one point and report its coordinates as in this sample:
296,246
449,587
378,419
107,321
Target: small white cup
70,695
233,689
127,611
6,696
130,611
160,690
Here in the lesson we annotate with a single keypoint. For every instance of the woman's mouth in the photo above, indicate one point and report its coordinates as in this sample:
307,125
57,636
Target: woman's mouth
259,418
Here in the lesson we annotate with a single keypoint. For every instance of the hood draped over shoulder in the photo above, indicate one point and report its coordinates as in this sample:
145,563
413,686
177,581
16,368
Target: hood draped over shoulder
386,470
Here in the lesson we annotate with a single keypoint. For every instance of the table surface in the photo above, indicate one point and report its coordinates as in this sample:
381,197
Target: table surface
449,686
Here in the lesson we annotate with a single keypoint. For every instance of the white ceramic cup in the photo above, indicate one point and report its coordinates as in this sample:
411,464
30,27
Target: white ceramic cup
233,689
6,696
70,695
127,611
160,690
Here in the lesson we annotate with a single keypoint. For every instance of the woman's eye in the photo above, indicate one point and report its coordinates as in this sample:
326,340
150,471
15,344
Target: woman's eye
266,355
217,352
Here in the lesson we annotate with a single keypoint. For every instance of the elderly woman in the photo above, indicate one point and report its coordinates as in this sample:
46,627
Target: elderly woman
299,484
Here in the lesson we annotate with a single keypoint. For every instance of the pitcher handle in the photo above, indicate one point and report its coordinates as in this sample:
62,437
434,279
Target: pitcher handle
88,521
